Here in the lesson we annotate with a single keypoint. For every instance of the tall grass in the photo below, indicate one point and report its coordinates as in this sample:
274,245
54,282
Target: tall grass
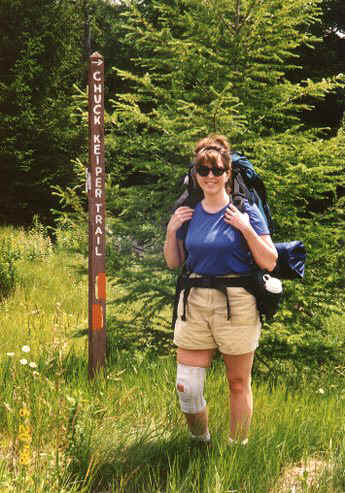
123,432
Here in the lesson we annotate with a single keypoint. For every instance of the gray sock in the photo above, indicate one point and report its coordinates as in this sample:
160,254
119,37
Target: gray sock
205,437
238,442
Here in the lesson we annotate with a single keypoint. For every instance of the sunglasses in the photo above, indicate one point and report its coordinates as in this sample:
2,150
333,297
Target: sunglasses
205,170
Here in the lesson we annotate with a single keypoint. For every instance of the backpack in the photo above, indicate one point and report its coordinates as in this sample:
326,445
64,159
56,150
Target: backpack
246,184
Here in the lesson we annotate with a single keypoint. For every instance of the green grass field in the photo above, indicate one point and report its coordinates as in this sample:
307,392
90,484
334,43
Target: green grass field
123,432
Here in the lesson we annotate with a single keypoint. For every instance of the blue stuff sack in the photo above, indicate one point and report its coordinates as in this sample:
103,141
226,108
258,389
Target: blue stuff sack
291,260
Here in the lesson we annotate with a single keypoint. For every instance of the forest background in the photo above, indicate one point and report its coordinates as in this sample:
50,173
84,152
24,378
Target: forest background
267,73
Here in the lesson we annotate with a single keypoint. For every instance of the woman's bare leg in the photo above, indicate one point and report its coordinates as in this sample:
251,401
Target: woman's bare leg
238,372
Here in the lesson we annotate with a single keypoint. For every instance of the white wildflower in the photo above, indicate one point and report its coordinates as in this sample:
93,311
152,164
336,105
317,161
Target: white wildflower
7,406
23,361
321,391
26,349
32,364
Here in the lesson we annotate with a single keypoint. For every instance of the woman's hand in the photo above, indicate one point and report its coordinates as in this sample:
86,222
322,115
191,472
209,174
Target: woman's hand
173,248
236,218
262,249
180,216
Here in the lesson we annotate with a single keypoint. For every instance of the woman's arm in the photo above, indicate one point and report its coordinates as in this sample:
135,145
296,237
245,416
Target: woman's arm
262,248
173,251
173,247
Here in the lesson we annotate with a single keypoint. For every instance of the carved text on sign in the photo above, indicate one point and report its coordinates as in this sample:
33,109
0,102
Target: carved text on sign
98,175
96,198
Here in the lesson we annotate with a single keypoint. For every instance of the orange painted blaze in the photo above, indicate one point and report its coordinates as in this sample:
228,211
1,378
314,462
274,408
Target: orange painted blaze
101,286
97,316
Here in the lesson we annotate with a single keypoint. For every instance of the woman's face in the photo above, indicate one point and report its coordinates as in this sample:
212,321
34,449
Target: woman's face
210,177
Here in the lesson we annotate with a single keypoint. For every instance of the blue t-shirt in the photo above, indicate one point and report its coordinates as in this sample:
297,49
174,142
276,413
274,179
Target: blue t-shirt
214,247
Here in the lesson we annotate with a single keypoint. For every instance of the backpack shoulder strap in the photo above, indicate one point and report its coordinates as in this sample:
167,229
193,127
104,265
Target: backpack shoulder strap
251,185
191,195
240,192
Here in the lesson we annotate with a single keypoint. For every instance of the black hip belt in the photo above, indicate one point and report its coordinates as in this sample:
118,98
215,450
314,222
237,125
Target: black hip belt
210,282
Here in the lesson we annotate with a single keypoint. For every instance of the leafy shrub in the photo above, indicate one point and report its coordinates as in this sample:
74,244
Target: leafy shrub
33,243
8,272
71,230
37,244
72,237
140,314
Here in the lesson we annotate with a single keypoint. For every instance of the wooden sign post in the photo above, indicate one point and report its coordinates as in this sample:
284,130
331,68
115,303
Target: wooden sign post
96,201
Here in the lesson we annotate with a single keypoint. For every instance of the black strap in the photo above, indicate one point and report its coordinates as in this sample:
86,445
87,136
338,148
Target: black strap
185,298
240,191
211,282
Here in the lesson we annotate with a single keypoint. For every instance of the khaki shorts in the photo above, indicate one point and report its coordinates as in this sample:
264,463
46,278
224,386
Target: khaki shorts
207,327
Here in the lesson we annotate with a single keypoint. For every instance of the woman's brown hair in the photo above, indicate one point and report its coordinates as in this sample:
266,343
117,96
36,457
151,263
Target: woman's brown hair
215,150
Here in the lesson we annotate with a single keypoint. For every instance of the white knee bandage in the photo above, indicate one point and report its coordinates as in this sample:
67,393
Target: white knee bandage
190,388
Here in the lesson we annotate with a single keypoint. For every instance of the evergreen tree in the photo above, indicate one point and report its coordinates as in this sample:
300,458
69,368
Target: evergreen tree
40,59
201,67
325,59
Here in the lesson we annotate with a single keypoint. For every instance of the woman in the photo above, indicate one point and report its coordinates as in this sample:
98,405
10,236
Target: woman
217,239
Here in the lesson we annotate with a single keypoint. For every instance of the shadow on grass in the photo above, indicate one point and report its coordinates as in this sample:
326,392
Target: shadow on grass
150,465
